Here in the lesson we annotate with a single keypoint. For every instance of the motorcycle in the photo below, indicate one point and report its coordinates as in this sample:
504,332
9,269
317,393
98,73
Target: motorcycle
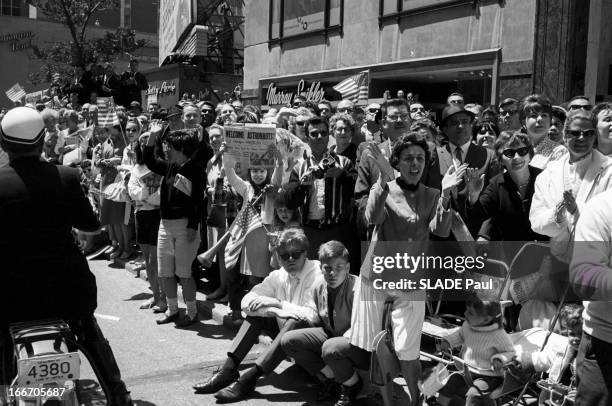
43,367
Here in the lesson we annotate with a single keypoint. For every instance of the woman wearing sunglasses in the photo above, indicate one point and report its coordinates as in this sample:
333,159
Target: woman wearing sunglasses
507,198
566,185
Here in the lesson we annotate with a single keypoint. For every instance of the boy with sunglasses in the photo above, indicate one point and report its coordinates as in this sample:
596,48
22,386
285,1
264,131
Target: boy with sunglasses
282,302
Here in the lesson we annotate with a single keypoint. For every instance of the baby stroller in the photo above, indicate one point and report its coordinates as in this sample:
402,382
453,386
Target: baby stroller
539,353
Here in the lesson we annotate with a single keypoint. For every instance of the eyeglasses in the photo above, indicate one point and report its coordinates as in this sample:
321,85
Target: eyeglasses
397,117
510,153
587,107
285,256
578,133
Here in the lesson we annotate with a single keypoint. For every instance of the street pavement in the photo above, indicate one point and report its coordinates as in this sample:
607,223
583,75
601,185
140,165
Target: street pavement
160,363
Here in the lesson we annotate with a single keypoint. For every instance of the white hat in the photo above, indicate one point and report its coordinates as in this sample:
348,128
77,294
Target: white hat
22,125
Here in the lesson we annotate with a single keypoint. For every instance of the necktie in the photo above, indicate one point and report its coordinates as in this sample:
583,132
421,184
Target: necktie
458,154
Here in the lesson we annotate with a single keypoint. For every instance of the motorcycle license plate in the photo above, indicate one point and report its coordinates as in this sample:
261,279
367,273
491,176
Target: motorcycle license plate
55,368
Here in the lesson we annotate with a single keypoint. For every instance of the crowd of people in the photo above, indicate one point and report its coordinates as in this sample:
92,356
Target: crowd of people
523,170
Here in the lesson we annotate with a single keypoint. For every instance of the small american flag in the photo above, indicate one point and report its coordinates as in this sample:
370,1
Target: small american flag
355,88
247,221
15,93
107,117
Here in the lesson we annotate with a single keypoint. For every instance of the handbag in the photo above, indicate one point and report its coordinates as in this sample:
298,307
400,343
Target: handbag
384,365
217,216
116,191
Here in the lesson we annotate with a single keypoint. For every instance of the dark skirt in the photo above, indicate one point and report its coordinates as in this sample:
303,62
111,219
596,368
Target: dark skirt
111,212
147,226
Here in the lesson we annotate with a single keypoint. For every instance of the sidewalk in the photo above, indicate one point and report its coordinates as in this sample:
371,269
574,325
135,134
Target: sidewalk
216,311
219,312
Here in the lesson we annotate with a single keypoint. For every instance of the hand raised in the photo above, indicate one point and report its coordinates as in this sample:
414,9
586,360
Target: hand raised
453,177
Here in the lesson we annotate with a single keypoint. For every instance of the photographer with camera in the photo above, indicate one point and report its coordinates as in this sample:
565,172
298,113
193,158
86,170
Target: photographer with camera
322,187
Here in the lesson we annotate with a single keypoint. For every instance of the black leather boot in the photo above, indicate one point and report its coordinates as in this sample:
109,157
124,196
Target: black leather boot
90,336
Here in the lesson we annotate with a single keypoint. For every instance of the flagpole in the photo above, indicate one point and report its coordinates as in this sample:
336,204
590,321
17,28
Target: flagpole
206,258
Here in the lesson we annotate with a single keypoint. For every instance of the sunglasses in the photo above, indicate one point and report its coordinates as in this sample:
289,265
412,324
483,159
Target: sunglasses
510,153
285,256
587,107
578,133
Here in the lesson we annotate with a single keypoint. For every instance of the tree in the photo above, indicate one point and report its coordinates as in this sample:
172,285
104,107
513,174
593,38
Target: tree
76,16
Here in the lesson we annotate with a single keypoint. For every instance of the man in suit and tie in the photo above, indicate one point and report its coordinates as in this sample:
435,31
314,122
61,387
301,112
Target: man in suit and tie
395,123
457,125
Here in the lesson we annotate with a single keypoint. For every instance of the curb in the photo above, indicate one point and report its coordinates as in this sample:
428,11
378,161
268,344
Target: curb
216,311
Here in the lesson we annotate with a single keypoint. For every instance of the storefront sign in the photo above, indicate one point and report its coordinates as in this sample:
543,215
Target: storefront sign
16,39
275,96
164,88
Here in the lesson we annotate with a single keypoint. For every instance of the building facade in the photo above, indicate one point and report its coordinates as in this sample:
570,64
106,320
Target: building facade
486,50
22,26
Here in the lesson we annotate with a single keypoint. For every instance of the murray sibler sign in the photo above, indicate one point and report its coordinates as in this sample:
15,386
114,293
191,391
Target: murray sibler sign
276,96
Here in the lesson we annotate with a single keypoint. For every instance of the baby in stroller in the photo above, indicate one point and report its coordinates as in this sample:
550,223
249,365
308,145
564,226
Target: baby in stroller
486,348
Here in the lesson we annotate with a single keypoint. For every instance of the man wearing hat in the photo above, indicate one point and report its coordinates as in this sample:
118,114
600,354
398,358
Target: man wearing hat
457,126
44,275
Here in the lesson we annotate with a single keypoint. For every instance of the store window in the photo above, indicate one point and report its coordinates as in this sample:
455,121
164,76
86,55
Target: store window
394,8
289,18
10,7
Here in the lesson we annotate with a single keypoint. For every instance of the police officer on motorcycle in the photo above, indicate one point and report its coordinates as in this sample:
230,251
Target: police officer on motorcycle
42,272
